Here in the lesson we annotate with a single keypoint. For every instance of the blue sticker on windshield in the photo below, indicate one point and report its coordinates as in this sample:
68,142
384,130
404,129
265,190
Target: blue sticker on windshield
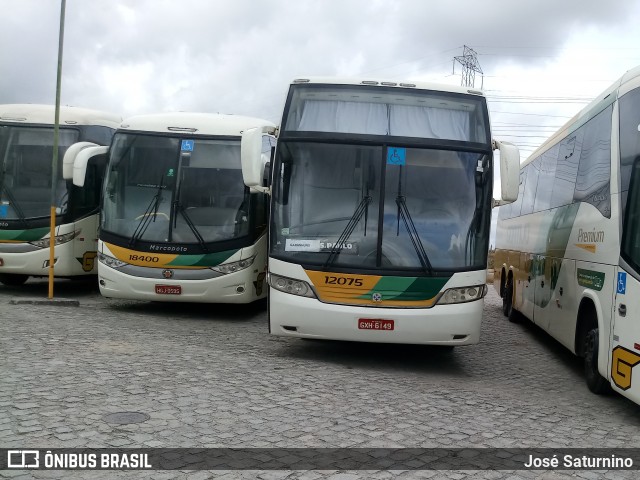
396,156
4,210
622,283
187,146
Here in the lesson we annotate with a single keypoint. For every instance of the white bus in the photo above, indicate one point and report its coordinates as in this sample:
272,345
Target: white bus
26,153
568,251
177,222
381,200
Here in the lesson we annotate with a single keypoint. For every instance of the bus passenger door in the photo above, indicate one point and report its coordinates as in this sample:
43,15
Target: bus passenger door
541,283
624,352
528,286
562,309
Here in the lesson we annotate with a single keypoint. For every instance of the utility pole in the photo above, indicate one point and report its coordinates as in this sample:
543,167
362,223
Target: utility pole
54,160
470,65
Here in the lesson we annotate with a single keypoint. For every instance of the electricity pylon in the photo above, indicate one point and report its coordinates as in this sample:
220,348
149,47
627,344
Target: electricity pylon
470,65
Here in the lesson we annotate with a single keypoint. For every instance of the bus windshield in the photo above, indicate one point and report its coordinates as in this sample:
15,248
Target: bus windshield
382,178
168,189
26,155
428,211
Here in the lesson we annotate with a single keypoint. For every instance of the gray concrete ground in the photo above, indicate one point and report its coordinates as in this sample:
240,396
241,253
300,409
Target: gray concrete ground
211,376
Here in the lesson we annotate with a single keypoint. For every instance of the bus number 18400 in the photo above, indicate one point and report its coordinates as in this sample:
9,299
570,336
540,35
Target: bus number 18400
144,258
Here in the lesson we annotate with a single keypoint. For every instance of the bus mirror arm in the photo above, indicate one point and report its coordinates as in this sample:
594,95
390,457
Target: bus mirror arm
266,190
82,160
509,171
70,156
251,157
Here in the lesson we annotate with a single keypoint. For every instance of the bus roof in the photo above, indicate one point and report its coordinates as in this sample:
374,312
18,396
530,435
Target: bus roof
45,114
605,98
193,123
388,83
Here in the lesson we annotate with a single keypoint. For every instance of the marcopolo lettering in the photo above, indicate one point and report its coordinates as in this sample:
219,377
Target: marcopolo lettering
167,248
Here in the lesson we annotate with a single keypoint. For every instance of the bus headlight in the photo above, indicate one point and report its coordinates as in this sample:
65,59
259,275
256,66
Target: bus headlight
59,239
289,285
234,266
110,261
462,295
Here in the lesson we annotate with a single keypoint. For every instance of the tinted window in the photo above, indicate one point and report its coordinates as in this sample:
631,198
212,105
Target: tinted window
97,134
578,169
529,195
631,232
594,170
629,139
564,182
546,177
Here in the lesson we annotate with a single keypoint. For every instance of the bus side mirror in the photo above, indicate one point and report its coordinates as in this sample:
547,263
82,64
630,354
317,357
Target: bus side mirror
70,156
81,161
253,165
509,172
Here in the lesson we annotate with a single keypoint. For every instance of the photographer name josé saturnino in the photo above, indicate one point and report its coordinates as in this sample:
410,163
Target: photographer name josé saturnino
582,461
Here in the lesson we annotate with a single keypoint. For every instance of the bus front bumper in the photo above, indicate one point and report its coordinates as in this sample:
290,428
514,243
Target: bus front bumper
302,317
36,262
238,287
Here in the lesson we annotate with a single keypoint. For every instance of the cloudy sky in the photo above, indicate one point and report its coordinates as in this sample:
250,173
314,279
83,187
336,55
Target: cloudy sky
541,60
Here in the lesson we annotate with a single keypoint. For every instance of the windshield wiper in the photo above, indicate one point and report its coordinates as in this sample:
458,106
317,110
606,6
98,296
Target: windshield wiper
180,208
403,212
151,211
361,209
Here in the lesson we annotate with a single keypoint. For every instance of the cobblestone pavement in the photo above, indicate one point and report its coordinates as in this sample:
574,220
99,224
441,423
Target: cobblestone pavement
211,376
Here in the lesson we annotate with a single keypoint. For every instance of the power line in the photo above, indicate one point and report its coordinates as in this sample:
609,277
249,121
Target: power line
533,114
408,61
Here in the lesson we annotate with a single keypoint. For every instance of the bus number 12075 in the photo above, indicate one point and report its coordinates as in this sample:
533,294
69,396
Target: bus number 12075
350,281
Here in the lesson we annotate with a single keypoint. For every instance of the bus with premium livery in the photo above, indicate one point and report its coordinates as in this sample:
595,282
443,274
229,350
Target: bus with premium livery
568,250
177,222
26,153
381,198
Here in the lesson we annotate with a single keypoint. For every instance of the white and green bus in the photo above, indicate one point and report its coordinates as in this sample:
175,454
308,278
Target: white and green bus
177,222
26,153
381,200
568,250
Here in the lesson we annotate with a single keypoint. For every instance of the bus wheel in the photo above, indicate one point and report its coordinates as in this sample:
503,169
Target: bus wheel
595,381
13,279
507,299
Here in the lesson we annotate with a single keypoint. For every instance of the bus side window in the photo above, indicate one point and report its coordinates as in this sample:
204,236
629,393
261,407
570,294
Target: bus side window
548,162
594,170
564,182
529,195
629,140
631,230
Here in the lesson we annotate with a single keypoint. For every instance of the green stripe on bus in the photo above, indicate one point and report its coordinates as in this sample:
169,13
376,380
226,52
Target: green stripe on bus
24,235
206,260
408,288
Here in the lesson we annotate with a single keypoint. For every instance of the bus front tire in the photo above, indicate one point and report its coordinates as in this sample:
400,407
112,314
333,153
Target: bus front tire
13,279
596,382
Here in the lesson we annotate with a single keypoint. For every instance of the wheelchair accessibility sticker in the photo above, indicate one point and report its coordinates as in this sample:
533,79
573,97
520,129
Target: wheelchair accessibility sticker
622,283
187,146
396,156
